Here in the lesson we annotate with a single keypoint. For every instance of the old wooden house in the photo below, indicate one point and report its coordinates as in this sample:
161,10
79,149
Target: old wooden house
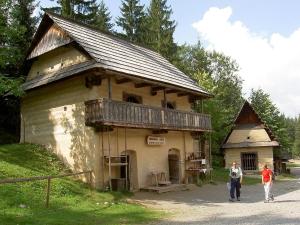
250,142
104,104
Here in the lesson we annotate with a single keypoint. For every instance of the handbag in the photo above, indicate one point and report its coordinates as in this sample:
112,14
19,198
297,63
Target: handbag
228,186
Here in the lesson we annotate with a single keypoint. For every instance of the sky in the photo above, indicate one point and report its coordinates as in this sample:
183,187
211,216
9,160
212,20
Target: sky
262,36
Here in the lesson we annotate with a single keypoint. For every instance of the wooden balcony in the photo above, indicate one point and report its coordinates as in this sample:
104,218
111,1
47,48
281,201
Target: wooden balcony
124,114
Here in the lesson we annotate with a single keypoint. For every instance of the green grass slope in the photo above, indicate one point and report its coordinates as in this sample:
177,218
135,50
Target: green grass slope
71,202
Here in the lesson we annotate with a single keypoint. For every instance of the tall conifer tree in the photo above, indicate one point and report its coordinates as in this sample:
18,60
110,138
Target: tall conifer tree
132,20
102,21
296,147
80,10
161,28
16,30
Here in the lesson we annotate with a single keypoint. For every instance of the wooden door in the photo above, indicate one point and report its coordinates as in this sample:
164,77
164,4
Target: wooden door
173,168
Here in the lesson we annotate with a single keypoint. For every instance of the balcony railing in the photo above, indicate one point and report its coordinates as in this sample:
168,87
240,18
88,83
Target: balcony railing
124,114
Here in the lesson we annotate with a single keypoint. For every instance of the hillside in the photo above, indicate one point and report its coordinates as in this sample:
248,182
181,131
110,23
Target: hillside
71,202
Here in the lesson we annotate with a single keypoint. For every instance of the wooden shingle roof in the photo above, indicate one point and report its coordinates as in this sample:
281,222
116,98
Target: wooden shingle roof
118,55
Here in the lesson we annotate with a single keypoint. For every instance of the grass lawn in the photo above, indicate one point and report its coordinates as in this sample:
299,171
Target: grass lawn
71,201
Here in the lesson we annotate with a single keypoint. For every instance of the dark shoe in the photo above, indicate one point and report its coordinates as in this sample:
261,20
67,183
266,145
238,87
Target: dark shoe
231,199
272,197
238,199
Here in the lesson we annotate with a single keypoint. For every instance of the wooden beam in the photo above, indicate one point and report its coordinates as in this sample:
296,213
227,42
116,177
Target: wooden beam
141,85
122,80
159,131
109,88
172,91
154,90
181,94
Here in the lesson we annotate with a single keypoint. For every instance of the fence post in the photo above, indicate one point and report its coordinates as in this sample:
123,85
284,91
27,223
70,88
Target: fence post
48,192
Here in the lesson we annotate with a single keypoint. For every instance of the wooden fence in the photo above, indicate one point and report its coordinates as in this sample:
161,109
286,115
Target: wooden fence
48,178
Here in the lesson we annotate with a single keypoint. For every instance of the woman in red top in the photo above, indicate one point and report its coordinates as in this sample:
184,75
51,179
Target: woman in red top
266,180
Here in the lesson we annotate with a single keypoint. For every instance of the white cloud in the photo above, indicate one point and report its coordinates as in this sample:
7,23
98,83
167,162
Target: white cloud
268,62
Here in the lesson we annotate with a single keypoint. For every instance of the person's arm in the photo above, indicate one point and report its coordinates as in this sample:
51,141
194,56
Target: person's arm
262,179
271,176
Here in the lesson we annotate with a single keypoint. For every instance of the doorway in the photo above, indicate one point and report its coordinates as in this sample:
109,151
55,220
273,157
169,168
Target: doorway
174,170
132,170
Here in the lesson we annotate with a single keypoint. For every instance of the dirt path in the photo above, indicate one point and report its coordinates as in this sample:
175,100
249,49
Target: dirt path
209,205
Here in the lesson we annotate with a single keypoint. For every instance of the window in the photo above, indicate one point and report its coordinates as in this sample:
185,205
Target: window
170,105
249,161
132,98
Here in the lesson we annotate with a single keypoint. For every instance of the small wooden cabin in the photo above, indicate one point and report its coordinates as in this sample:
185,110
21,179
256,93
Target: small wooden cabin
104,104
250,142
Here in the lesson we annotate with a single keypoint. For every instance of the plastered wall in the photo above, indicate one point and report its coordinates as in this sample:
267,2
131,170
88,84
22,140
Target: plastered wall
264,155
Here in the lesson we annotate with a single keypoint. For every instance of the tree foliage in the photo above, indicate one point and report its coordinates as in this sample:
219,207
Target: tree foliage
272,117
132,20
218,74
84,11
103,18
160,28
17,26
296,143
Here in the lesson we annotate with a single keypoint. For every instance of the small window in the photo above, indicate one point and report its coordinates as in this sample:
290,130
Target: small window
249,161
132,98
170,105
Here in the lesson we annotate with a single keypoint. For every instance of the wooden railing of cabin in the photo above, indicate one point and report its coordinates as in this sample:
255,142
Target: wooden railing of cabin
124,114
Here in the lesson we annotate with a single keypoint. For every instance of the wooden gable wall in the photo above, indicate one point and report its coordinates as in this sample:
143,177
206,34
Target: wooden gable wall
248,116
52,39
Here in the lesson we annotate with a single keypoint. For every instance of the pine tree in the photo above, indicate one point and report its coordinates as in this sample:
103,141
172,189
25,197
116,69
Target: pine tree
161,28
66,8
296,147
17,27
102,20
272,117
85,10
80,10
132,20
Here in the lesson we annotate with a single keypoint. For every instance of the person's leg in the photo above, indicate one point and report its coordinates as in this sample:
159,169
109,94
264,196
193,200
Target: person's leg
266,187
232,188
238,190
271,197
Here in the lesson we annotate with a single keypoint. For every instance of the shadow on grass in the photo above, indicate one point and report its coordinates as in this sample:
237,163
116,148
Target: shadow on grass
80,215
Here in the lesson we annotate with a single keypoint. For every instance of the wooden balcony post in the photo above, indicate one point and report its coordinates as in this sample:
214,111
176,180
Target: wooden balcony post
109,87
165,99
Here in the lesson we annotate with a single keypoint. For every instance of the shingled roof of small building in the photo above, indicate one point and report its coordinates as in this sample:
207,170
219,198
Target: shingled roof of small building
115,54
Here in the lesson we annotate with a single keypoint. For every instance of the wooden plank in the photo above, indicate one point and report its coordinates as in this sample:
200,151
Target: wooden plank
172,91
123,80
141,85
53,38
154,90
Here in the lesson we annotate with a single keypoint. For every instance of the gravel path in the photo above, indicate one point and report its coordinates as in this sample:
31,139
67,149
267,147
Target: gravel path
209,205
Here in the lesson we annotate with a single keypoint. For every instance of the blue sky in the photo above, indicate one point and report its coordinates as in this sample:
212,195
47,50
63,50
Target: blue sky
262,16
263,36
